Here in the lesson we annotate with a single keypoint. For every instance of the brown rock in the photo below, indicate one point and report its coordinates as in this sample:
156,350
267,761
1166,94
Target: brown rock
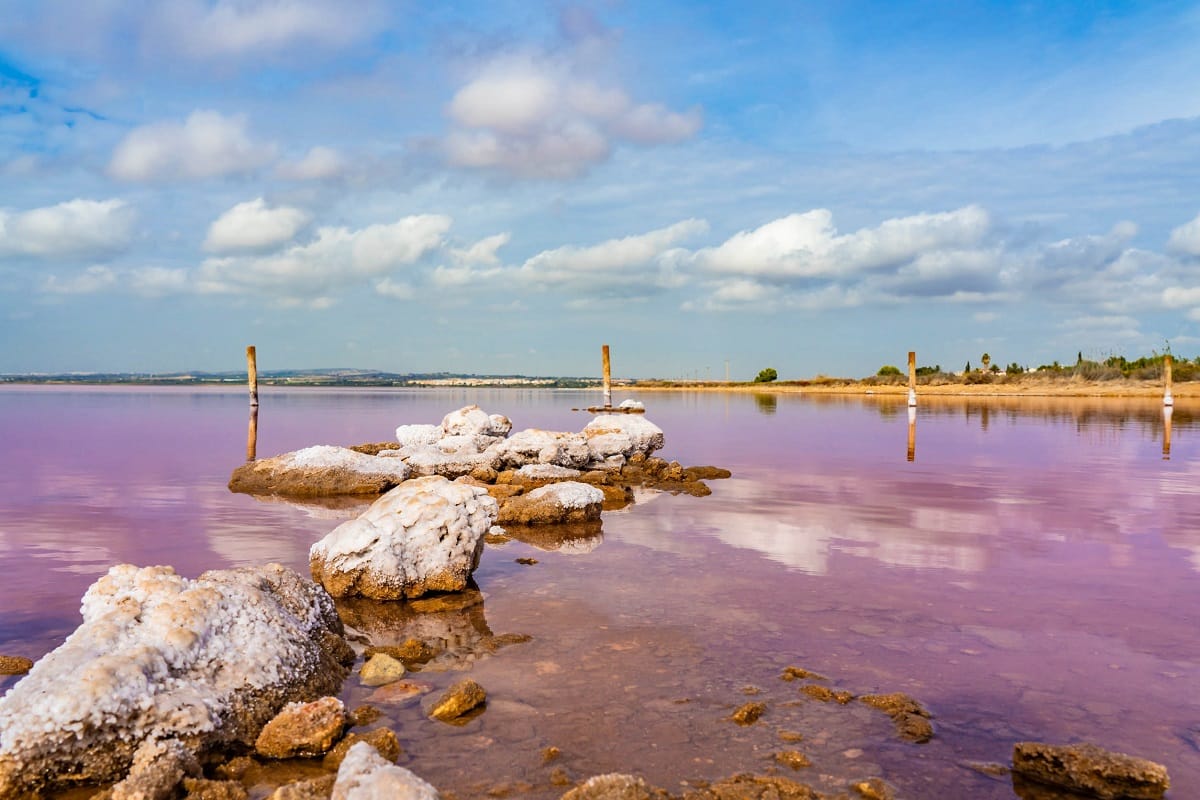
364,715
458,700
503,491
706,473
314,789
375,448
792,758
382,739
791,736
15,665
235,768
799,673
749,713
411,651
550,753
1092,770
358,474
910,717
381,669
874,789
157,770
399,693
560,777
200,789
827,695
303,729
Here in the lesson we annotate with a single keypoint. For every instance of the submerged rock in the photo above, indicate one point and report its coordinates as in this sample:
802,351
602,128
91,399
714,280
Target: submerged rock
1091,770
425,535
15,665
911,718
748,713
381,669
456,701
159,657
754,787
303,729
615,786
320,470
366,775
568,501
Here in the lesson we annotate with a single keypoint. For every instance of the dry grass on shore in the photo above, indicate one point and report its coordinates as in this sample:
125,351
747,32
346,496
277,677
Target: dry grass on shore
1014,386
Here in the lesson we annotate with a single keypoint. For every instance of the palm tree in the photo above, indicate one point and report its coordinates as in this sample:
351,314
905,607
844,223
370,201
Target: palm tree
986,359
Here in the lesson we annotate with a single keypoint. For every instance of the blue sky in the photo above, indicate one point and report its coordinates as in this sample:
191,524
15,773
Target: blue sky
501,187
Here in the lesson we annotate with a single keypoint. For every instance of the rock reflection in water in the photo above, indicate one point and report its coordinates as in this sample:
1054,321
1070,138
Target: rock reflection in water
570,539
449,631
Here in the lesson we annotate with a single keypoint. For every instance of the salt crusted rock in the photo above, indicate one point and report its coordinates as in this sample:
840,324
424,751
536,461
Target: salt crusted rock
615,786
633,405
425,535
365,775
473,421
535,446
568,501
432,460
1091,770
158,657
417,435
644,435
320,470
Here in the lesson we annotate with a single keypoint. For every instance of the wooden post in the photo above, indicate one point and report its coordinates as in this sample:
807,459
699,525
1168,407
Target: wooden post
607,377
912,378
252,435
1168,400
912,433
252,374
1168,411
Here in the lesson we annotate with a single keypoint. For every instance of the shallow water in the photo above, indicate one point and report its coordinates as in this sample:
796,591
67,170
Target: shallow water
1031,573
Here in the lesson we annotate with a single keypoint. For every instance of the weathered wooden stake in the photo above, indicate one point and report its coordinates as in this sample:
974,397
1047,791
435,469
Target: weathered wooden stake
252,435
252,373
912,378
607,377
912,433
1168,411
1168,400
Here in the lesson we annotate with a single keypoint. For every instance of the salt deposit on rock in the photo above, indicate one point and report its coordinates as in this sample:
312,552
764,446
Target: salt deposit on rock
320,470
645,436
417,435
551,471
569,501
302,729
474,421
534,446
432,460
158,657
425,535
633,405
366,775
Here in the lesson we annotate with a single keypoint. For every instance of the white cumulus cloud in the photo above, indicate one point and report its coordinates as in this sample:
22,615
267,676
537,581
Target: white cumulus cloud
534,116
1186,238
205,145
807,245
254,225
74,228
232,28
337,258
632,260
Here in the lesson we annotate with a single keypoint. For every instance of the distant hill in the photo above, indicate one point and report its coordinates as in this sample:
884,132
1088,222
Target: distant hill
308,377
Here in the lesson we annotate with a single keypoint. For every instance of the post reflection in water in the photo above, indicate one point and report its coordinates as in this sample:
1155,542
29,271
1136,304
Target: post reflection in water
252,435
1168,412
912,433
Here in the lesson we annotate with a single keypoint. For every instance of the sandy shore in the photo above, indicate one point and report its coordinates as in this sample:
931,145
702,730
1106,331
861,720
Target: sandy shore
1029,387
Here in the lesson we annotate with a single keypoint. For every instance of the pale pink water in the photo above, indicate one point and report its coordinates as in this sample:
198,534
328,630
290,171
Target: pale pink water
1031,574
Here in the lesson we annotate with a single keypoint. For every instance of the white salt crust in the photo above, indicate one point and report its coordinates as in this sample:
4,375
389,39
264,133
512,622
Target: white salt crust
547,471
161,656
330,457
568,495
366,775
423,527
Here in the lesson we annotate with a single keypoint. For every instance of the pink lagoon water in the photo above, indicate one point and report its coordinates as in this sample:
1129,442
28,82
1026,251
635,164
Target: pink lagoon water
1031,574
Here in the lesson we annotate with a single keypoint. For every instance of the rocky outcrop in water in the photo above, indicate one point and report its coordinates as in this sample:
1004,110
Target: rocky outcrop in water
1091,770
320,471
163,666
554,504
425,535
